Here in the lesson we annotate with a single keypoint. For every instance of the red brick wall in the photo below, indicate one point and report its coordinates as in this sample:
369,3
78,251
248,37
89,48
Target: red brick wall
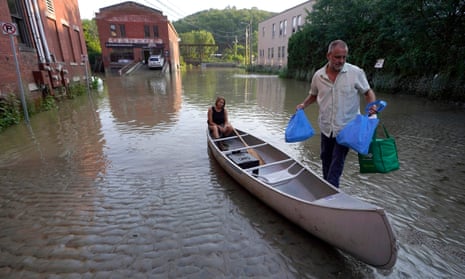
67,48
27,59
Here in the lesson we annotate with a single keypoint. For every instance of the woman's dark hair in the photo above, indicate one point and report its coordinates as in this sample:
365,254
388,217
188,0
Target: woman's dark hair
220,98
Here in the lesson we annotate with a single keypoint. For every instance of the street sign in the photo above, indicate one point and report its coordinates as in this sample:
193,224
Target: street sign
9,28
379,63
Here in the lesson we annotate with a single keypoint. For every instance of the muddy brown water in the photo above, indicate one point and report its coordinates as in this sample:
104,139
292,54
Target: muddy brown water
120,184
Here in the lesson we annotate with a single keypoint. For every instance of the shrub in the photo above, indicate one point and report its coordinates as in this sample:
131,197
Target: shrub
9,111
48,103
76,89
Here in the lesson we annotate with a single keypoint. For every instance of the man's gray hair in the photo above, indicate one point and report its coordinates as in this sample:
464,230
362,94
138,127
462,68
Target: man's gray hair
336,43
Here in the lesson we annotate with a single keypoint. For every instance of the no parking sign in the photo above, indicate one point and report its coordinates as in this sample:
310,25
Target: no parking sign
9,28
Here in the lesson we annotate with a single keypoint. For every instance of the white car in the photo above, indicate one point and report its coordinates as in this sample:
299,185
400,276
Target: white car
155,61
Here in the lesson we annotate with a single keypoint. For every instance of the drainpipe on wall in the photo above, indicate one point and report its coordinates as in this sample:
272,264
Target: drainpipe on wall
41,31
35,32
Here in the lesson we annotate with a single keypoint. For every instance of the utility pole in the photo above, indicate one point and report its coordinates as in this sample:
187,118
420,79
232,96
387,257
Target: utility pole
246,56
250,42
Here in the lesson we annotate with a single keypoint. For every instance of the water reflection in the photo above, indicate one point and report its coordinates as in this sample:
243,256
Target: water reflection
70,136
145,100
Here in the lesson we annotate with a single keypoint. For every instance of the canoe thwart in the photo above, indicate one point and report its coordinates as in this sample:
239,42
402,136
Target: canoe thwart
270,164
224,138
237,150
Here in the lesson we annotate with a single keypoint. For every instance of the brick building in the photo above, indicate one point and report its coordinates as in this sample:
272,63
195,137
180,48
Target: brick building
49,45
131,32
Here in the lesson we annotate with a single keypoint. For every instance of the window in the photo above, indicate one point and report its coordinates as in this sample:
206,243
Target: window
263,31
146,31
273,31
122,31
294,24
18,18
285,28
282,51
279,52
113,30
50,6
299,22
67,43
78,36
155,31
281,28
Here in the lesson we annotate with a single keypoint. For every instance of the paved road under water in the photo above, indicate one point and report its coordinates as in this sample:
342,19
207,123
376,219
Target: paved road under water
120,184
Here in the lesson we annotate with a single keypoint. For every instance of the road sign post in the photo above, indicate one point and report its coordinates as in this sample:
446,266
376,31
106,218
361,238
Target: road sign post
11,30
85,59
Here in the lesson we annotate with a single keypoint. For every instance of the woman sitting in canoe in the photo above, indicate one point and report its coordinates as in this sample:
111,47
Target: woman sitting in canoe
218,123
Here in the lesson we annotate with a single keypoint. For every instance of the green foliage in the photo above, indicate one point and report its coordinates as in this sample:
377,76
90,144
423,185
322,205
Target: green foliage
265,70
48,103
236,54
195,40
228,27
76,89
11,114
9,111
94,83
419,40
92,39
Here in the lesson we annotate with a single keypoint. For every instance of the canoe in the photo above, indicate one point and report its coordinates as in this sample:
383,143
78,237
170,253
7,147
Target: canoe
356,227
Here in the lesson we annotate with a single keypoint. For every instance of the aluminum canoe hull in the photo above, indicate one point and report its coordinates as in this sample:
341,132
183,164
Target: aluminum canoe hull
354,226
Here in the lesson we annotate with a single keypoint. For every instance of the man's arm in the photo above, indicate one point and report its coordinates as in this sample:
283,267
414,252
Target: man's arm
370,97
309,100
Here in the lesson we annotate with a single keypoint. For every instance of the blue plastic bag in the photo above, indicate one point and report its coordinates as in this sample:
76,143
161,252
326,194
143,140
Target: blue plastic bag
298,128
358,133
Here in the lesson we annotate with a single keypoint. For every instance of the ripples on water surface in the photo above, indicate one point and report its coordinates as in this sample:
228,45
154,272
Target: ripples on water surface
122,182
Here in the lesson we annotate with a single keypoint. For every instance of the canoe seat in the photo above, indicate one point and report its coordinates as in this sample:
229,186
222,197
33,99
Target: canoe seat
279,177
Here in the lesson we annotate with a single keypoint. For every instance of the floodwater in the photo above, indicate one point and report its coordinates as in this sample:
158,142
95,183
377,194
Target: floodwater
120,184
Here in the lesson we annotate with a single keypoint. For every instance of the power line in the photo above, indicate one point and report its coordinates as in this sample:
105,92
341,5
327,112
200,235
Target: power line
175,9
172,11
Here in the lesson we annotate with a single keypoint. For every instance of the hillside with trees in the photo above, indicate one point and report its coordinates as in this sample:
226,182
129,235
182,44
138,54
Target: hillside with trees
422,43
230,29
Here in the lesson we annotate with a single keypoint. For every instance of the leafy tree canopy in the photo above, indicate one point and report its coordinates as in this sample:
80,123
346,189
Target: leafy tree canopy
228,26
195,40
92,39
421,38
91,35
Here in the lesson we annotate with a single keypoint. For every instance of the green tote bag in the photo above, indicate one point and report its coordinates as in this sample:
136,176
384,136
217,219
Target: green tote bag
382,156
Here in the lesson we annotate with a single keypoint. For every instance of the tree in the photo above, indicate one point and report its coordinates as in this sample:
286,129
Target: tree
228,27
92,40
197,45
